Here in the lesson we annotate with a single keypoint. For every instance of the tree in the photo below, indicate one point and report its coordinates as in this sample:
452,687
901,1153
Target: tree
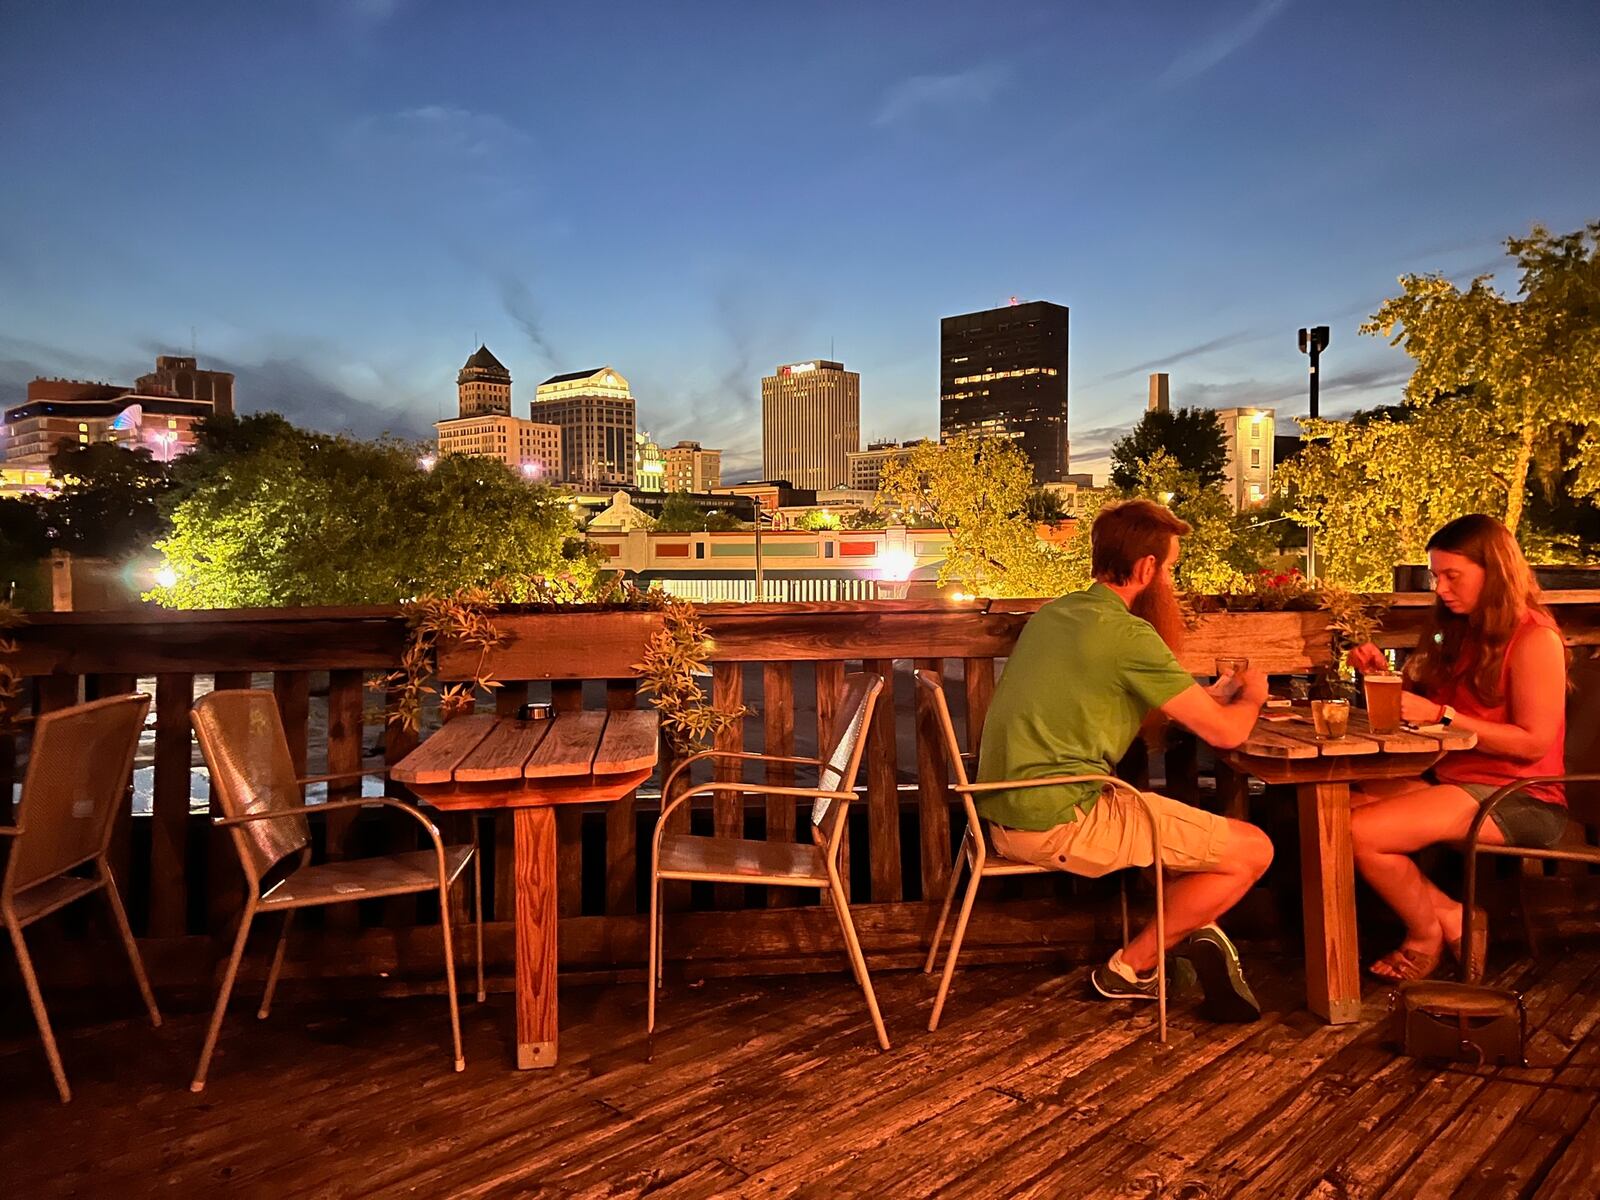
680,514
1530,365
23,549
1192,437
1045,507
1221,546
108,504
869,517
297,518
1374,490
977,490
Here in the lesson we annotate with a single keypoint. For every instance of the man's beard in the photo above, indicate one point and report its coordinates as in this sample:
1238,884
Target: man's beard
1158,604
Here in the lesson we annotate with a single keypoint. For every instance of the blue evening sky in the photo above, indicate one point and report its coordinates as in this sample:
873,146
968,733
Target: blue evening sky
334,199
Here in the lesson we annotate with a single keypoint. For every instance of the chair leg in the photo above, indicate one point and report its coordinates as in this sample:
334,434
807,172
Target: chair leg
848,928
944,911
120,916
967,900
450,971
277,965
228,976
855,971
40,1017
653,967
477,914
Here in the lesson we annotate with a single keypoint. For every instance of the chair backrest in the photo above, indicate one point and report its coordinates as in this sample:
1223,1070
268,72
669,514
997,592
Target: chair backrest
1583,739
241,736
79,766
952,748
841,757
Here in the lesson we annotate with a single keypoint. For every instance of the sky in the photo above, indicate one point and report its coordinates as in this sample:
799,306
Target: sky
338,200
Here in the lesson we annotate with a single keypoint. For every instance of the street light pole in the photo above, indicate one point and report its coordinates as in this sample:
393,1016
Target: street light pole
761,589
1313,342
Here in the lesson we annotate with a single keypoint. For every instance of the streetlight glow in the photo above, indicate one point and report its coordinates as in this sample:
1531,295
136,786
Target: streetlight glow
427,461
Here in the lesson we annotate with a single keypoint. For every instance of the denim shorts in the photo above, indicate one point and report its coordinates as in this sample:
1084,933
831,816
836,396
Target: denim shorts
1523,819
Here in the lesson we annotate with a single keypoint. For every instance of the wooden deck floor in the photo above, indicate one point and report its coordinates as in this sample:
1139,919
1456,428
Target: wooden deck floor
773,1087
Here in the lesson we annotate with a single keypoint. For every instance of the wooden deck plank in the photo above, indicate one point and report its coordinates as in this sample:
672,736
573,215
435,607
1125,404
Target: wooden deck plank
774,1087
434,761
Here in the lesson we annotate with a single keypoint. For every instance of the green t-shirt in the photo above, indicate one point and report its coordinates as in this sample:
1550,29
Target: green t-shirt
1083,676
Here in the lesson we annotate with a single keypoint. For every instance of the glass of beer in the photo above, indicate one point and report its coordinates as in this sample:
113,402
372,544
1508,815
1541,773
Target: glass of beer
1383,701
1331,718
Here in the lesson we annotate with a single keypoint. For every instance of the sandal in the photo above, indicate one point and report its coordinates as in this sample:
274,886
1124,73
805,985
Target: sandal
1402,965
1473,966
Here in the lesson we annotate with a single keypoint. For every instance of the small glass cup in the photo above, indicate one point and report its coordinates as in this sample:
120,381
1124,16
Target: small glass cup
1331,718
1231,666
1227,675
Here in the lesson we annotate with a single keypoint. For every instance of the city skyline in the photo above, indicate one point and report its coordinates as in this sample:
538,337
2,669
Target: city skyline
323,203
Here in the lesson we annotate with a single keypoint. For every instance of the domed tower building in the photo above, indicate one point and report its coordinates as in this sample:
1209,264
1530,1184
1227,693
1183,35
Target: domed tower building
484,385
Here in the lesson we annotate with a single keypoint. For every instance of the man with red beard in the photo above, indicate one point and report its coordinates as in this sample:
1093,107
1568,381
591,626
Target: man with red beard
1086,672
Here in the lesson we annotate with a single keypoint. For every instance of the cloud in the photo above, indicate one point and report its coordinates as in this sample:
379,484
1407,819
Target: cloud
302,394
1188,352
1223,44
938,94
516,297
369,14
442,130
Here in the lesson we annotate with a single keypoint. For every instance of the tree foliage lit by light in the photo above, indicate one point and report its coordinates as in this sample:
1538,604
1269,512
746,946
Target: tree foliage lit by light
296,518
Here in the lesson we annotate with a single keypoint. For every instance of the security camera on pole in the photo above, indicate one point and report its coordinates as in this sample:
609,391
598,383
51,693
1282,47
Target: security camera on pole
1313,342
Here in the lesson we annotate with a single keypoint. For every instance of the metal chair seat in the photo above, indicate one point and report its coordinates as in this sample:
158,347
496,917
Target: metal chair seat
392,875
42,899
735,860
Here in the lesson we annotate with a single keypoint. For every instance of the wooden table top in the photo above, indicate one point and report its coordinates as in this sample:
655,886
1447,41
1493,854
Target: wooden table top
1284,748
484,752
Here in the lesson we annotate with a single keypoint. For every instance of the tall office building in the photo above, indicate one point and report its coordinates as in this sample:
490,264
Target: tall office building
483,385
595,412
1003,372
485,426
691,468
810,419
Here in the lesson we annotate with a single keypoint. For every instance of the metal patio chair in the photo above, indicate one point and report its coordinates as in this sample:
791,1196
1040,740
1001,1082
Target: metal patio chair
79,768
242,738
776,864
983,862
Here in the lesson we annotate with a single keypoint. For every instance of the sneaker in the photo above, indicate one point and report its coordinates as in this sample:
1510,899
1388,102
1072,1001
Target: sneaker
1228,997
1113,985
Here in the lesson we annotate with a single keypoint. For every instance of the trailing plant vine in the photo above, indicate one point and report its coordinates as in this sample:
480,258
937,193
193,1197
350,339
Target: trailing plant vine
673,656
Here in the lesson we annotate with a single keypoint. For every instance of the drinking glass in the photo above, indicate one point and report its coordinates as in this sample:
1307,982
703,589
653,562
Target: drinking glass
1383,701
1331,718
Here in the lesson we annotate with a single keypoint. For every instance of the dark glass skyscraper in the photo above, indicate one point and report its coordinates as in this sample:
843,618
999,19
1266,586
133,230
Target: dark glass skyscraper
1004,372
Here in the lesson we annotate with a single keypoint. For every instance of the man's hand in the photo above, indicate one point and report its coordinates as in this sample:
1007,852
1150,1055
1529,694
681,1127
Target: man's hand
1252,686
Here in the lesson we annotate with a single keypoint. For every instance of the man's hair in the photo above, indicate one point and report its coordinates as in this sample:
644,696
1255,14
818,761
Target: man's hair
1127,531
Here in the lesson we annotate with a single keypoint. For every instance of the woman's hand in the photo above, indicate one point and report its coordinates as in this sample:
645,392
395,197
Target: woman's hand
1419,710
1368,659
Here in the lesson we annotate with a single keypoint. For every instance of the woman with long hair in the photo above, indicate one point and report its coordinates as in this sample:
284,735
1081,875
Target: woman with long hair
1491,661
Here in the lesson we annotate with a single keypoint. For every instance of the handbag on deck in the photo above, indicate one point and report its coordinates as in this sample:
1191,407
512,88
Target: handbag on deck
1436,1018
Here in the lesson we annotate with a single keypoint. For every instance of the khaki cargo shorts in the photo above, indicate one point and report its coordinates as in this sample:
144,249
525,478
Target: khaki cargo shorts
1115,833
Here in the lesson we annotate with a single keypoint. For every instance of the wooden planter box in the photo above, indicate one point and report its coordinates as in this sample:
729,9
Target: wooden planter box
545,645
1279,643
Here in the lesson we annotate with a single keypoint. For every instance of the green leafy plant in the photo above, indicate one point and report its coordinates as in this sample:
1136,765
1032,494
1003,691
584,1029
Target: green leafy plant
10,676
674,656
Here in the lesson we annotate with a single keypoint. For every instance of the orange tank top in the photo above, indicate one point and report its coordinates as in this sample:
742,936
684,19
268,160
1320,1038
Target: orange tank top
1483,767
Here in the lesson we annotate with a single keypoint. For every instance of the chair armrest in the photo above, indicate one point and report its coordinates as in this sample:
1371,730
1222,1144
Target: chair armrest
742,755
10,830
332,806
761,789
340,776
1470,845
1017,785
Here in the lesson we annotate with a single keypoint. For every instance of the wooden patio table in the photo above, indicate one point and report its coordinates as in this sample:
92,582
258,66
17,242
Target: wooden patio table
483,761
1284,749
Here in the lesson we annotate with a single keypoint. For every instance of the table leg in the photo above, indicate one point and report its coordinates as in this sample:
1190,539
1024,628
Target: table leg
1328,891
535,869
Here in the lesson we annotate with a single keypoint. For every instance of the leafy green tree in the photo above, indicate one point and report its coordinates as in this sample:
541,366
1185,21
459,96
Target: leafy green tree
977,490
1192,437
868,517
108,504
23,550
1374,490
1531,365
301,518
1220,549
1045,507
680,514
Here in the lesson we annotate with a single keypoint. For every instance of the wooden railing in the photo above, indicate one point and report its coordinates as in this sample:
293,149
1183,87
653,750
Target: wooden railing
786,661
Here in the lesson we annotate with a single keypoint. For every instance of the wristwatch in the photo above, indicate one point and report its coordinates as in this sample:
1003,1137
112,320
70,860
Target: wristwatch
1446,715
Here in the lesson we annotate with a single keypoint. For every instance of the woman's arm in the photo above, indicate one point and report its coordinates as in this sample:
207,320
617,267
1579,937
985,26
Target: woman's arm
1537,688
